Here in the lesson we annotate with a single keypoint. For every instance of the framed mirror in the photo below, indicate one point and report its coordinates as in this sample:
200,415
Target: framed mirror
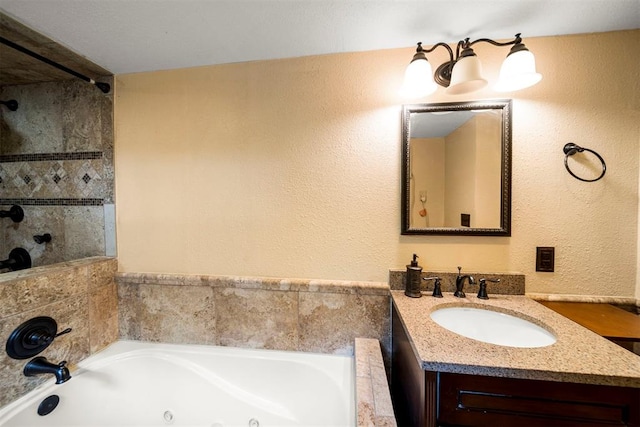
456,171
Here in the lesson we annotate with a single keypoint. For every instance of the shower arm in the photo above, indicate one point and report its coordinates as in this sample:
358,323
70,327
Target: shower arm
104,87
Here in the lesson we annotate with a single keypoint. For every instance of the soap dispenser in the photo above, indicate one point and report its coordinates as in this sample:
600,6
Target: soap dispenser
412,281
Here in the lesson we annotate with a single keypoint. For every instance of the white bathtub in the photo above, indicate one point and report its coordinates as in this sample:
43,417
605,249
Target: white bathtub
144,384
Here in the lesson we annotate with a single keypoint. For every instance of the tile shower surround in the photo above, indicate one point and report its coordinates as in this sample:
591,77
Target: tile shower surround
58,144
56,161
77,232
79,294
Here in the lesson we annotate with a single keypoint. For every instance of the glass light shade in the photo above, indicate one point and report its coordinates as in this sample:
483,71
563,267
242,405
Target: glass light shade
418,79
518,71
466,76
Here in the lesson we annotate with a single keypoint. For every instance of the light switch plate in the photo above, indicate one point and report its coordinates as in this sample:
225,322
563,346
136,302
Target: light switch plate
465,220
545,258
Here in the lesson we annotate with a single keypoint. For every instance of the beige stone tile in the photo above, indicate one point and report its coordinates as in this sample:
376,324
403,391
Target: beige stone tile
81,238
151,278
345,287
128,311
365,403
242,282
396,279
265,283
37,291
9,295
177,314
372,388
386,421
257,318
103,316
361,354
102,273
37,220
380,387
329,322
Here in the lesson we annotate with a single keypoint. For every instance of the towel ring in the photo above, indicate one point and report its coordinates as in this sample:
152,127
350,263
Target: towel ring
570,149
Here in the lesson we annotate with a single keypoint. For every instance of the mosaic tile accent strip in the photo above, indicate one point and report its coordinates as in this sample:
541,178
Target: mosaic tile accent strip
39,157
53,202
49,179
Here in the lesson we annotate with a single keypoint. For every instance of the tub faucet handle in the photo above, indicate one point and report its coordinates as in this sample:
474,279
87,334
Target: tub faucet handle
41,337
32,337
66,331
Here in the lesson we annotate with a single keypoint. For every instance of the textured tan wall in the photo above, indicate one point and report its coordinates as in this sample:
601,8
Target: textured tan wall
488,194
459,171
291,168
427,166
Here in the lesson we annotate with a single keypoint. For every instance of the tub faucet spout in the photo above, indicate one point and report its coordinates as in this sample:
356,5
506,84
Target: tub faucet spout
460,284
41,365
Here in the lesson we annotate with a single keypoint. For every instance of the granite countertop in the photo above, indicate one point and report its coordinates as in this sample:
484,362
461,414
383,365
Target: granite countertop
578,355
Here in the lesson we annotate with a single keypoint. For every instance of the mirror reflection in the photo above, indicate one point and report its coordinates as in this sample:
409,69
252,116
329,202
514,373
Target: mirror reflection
456,174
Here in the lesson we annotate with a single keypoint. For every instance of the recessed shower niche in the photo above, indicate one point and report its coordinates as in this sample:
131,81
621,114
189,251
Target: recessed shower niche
56,153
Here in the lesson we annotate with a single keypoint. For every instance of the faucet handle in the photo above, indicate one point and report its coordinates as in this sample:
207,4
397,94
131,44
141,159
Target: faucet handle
42,337
66,331
482,291
32,337
459,270
437,291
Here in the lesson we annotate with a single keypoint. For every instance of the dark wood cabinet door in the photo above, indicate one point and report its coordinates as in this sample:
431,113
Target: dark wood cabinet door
469,400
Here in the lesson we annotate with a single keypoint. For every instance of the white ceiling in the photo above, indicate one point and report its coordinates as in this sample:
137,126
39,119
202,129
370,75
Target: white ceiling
437,125
127,36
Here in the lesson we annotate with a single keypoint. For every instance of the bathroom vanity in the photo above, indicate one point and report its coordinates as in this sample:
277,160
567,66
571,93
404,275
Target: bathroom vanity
441,378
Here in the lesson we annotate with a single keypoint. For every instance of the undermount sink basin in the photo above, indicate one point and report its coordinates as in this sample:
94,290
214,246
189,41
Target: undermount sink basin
492,327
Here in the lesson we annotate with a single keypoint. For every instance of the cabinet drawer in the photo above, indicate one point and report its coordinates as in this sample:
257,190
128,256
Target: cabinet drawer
468,400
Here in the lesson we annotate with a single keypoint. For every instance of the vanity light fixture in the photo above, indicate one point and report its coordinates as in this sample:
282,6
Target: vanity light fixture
463,73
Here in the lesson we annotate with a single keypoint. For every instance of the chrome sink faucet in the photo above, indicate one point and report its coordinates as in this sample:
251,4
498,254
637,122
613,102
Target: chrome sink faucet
460,283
